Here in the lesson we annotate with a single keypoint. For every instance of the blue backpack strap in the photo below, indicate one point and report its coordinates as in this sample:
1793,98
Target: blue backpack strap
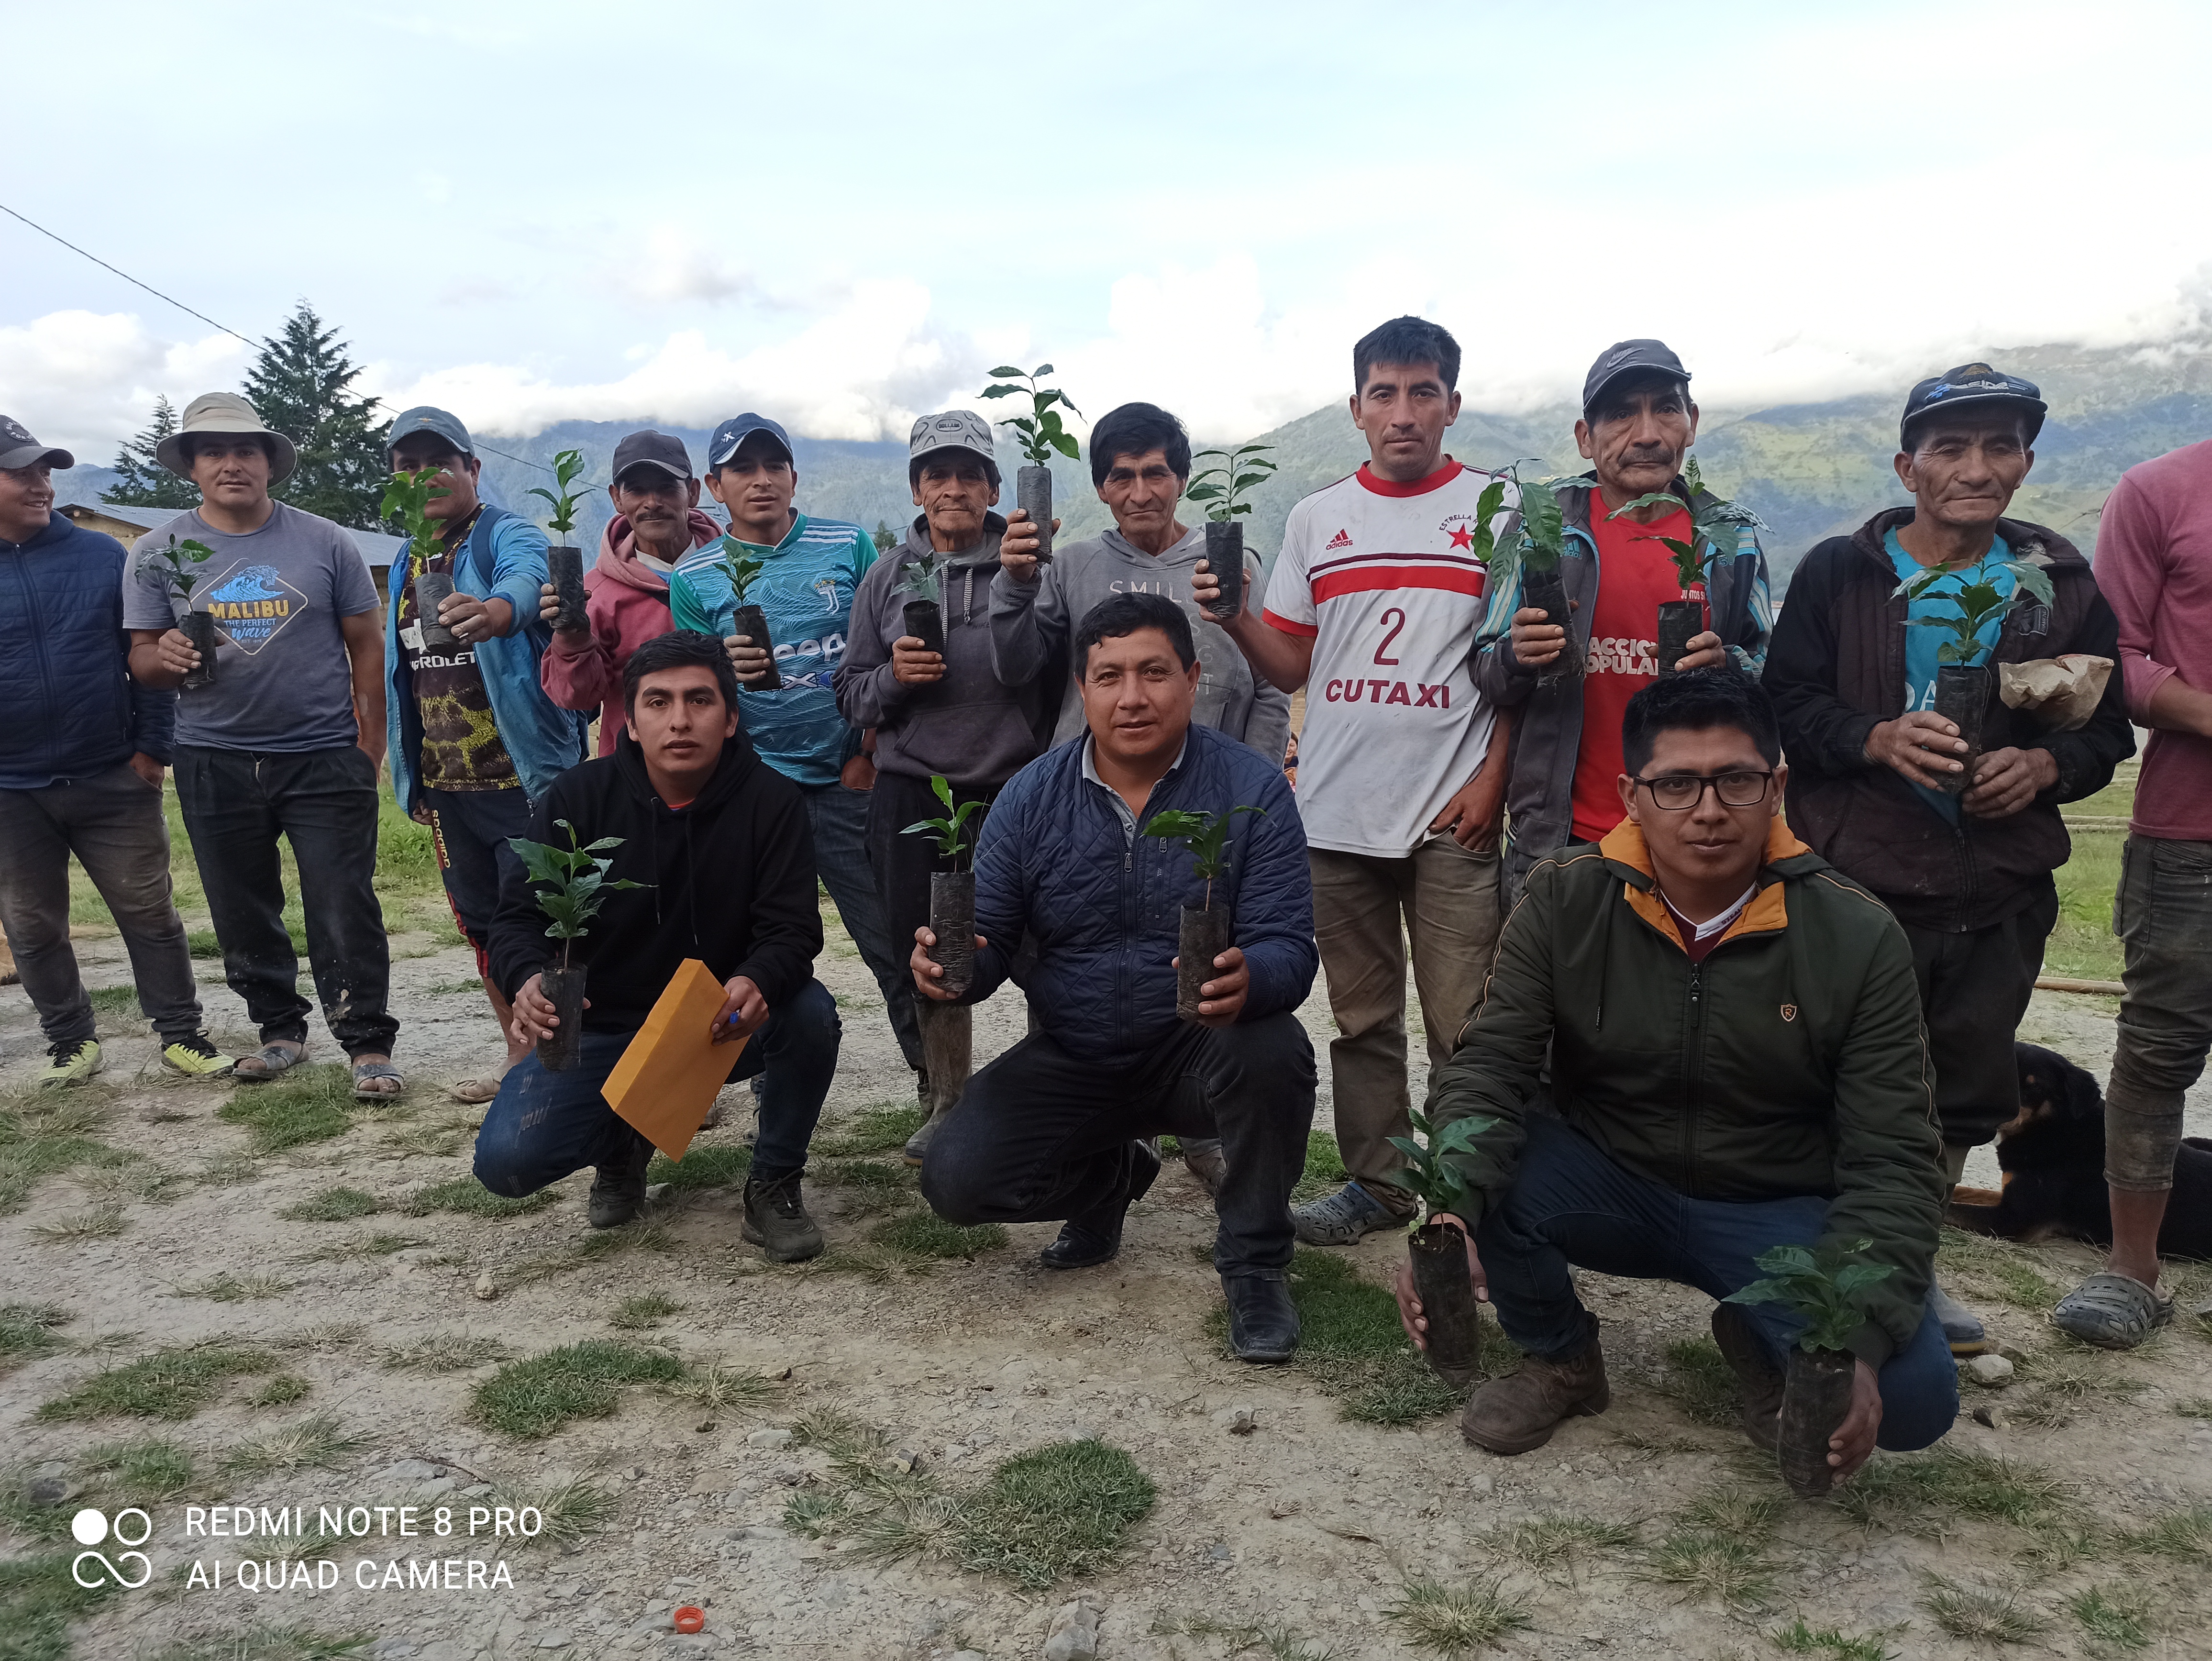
479,550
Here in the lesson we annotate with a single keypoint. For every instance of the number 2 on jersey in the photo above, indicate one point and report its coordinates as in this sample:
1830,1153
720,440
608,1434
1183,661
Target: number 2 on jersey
1394,630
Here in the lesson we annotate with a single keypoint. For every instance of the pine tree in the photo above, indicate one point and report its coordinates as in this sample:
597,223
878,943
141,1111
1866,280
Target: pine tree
143,482
885,538
299,386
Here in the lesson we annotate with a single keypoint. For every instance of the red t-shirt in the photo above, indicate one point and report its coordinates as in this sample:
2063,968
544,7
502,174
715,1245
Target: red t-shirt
1634,579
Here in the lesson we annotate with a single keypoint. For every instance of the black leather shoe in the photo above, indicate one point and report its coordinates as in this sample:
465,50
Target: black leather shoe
1263,1322
618,1191
1095,1237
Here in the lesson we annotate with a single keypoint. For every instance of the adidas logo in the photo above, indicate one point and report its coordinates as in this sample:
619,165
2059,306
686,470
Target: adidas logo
1341,539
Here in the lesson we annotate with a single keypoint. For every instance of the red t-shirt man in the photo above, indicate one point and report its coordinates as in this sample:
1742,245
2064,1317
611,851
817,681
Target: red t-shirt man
1635,578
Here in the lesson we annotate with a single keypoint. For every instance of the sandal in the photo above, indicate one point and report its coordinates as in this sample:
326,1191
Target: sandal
273,1061
368,1074
2113,1311
473,1092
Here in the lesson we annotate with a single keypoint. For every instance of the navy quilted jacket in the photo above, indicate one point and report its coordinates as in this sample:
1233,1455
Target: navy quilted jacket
68,706
1053,864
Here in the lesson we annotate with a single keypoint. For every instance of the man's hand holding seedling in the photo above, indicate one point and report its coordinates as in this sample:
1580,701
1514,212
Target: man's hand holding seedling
1018,548
744,1009
913,664
174,651
1402,1283
927,972
548,608
2006,781
1221,1000
1920,746
1854,1439
472,619
748,662
534,1016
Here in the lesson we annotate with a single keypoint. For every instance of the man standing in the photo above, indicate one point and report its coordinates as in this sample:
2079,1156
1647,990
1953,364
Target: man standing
1621,1136
1372,607
2155,565
1139,463
811,569
1853,677
285,742
943,715
1636,428
656,521
473,738
1054,1128
719,844
83,747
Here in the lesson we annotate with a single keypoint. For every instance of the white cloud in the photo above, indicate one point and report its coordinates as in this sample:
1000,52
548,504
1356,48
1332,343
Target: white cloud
88,380
673,265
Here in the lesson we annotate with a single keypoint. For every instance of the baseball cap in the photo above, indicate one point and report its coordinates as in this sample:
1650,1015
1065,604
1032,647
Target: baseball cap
1972,383
1629,358
737,429
19,449
652,449
951,430
425,418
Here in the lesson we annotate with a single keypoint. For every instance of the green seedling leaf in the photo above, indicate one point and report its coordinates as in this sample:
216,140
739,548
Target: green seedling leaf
168,564
922,578
1206,834
951,830
407,499
1233,472
571,882
1040,432
1827,1288
567,467
1429,1172
1975,601
742,570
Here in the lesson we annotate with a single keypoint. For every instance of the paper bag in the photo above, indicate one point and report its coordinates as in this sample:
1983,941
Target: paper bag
2061,692
671,1072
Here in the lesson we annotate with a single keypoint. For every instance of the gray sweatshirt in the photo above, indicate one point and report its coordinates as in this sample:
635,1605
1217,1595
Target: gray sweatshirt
970,726
1031,621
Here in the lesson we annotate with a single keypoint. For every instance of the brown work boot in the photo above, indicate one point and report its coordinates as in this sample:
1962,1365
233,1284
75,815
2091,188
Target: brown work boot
1520,1412
1760,1410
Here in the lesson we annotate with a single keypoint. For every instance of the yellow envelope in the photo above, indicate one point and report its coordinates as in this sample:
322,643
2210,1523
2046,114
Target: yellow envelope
671,1072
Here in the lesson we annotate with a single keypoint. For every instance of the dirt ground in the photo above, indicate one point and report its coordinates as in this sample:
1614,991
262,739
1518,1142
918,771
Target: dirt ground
1294,1533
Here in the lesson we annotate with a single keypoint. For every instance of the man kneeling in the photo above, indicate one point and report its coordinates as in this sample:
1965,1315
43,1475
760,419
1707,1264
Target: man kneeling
1737,1062
720,842
1052,1129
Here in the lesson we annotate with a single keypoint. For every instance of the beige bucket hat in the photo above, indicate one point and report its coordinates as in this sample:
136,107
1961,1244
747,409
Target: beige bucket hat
225,412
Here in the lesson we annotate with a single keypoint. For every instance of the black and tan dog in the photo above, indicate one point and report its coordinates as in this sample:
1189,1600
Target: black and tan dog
2053,1159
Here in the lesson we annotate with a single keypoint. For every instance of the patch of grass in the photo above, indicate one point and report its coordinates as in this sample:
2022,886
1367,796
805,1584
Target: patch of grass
533,1398
376,1245
472,1199
704,1165
1979,1614
2115,1616
269,1644
1736,1513
643,1312
1798,1638
102,1222
2185,1534
39,1598
570,1509
112,1000
2054,1546
1276,1639
170,1383
201,943
441,1140
2196,1407
1059,1510
1457,1620
228,1170
319,1441
43,1135
228,1288
1917,1492
925,1234
283,1388
1708,1568
873,1130
1555,1546
332,1205
444,1352
1698,1380
721,1388
2066,1382
144,1470
27,1332
308,1104
454,988
814,1512
1324,1168
2000,1267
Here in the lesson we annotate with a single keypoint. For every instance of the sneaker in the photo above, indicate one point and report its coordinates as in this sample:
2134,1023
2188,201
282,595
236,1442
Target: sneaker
1339,1219
618,1191
196,1058
776,1221
71,1061
1962,1328
1096,1238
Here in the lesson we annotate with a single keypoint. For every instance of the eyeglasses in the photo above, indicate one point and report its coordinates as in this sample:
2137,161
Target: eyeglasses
1679,792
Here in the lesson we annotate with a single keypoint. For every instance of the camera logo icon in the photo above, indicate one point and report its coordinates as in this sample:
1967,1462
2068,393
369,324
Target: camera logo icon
90,1527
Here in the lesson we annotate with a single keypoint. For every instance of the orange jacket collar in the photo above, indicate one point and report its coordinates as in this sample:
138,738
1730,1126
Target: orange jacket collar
1625,845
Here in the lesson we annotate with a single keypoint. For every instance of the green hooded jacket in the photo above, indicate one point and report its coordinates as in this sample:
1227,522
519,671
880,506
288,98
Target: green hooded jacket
1791,1062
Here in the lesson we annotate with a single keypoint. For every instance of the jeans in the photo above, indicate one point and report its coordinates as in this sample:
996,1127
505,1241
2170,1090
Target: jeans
542,1125
1974,988
839,819
1448,900
2162,913
1042,1135
112,822
469,830
237,803
1569,1204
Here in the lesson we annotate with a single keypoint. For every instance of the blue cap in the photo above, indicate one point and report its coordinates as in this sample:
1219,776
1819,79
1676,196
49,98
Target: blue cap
1972,383
737,429
425,418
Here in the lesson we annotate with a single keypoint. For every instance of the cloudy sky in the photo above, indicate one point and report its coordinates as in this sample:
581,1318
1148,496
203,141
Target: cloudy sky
844,214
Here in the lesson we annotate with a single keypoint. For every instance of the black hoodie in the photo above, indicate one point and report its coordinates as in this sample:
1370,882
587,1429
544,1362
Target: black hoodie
731,875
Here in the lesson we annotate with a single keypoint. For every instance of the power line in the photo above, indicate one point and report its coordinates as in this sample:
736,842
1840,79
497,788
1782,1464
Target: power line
204,318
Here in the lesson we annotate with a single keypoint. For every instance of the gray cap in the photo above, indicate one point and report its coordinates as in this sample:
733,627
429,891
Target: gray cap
1626,358
19,449
652,449
425,418
951,430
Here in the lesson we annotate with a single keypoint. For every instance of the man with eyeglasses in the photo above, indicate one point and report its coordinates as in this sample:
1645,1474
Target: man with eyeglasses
1699,1042
1852,670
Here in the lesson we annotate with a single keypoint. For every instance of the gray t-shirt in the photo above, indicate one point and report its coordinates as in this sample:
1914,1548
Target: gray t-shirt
283,683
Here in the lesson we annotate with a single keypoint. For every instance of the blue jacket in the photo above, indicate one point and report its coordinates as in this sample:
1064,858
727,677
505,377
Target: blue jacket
1104,912
68,706
504,558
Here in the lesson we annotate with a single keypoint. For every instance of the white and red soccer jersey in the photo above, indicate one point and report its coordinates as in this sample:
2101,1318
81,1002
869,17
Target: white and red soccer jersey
1383,576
